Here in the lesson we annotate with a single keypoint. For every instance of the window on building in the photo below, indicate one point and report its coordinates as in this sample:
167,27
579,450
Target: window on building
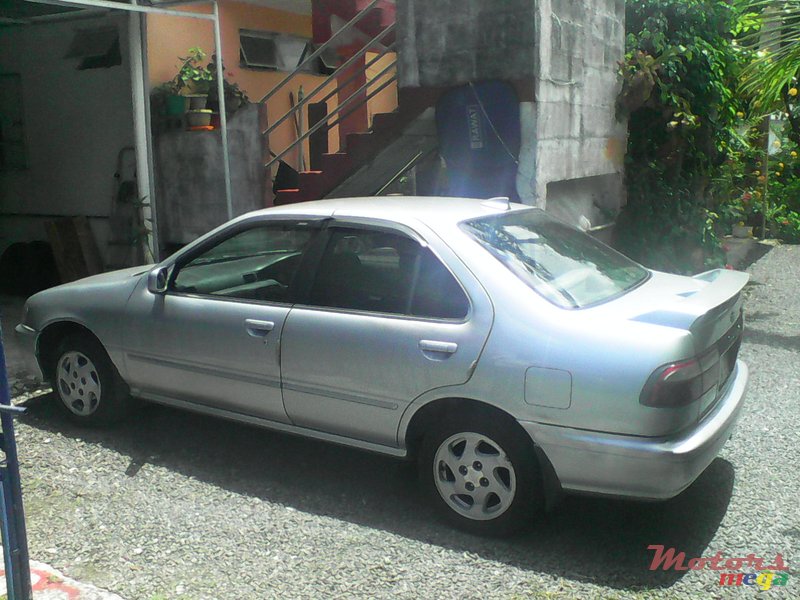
280,52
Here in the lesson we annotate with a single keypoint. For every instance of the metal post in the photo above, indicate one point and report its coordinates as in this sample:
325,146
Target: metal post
141,130
15,539
151,169
223,117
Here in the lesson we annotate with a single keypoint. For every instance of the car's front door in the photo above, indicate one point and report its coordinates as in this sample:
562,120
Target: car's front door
383,322
214,337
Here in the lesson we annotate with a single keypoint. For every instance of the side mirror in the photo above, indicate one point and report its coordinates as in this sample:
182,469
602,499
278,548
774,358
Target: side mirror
157,280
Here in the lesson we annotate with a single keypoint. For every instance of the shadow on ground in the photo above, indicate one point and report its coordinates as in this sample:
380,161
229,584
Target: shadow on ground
583,539
775,340
757,252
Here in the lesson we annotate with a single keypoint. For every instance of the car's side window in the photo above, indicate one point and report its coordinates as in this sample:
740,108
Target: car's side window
379,271
436,293
255,264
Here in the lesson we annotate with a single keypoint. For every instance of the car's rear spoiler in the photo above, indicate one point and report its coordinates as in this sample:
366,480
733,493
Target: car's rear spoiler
708,311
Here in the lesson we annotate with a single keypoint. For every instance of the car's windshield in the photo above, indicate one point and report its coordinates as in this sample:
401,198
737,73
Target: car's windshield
568,267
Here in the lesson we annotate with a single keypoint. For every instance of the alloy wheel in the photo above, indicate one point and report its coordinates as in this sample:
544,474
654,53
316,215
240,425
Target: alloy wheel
474,476
78,383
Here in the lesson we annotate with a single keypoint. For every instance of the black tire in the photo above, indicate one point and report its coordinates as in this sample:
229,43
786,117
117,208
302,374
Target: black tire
88,386
501,433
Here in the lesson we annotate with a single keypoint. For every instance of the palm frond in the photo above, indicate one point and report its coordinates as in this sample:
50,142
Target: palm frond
777,64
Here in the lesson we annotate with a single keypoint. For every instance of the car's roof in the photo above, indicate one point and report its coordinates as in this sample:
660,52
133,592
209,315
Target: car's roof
431,210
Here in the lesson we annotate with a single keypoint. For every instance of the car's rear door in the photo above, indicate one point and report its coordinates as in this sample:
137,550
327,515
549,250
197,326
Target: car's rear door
214,337
384,320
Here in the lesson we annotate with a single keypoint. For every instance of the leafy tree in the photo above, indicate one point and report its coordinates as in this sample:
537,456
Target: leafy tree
680,75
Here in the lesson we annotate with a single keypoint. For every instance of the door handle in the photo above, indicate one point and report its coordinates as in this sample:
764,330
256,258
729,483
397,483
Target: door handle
440,347
259,329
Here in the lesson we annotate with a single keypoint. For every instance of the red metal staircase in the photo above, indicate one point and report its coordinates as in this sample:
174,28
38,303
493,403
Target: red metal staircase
361,148
353,28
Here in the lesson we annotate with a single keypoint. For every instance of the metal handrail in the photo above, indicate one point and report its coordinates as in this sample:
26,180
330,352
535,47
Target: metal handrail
337,110
418,157
369,96
331,77
341,84
347,26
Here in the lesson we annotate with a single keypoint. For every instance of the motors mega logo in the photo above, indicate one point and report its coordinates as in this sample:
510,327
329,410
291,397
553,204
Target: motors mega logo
764,577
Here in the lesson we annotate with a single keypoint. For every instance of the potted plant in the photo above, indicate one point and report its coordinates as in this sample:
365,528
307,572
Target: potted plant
168,100
194,78
235,97
188,90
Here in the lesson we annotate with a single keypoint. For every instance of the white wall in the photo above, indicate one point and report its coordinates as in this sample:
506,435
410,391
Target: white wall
75,124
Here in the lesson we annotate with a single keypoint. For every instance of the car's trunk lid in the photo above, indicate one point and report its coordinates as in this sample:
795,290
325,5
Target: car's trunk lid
708,305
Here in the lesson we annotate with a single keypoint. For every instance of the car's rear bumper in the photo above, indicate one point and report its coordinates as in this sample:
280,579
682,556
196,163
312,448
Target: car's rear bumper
25,337
656,468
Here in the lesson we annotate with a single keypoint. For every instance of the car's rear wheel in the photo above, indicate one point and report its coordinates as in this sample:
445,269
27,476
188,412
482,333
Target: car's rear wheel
481,474
87,383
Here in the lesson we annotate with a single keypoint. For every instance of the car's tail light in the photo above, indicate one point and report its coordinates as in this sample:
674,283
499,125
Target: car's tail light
682,382
674,385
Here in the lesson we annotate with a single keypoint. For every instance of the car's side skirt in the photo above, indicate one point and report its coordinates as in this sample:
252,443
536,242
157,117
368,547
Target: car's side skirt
267,424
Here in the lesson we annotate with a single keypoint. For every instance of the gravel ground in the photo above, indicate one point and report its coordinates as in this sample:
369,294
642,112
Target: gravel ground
175,505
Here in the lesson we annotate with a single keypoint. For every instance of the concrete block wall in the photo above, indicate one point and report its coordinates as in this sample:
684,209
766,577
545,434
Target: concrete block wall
451,42
189,177
576,135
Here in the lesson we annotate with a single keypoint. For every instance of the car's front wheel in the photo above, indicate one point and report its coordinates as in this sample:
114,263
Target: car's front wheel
481,474
87,383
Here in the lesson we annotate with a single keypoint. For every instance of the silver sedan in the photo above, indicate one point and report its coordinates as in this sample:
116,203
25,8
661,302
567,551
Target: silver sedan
511,355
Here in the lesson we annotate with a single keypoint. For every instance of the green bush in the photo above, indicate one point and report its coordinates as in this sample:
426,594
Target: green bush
685,149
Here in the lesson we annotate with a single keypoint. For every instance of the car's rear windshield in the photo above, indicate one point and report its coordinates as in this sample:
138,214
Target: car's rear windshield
565,265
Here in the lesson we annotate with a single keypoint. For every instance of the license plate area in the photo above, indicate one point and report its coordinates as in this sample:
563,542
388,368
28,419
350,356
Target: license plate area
727,351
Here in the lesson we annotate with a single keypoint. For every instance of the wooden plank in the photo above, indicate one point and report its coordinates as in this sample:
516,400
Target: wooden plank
74,248
89,250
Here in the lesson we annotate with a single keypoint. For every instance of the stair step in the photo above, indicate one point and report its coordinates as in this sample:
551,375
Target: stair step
385,122
336,163
359,145
313,183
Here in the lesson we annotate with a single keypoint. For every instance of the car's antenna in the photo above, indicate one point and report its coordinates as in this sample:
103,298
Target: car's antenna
504,199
